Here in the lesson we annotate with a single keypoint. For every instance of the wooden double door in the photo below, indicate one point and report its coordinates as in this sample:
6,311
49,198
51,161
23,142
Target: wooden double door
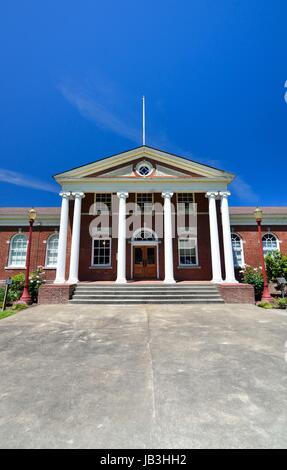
145,262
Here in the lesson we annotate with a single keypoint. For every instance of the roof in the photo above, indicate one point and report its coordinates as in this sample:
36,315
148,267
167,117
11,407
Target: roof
18,216
86,176
141,147
41,211
249,210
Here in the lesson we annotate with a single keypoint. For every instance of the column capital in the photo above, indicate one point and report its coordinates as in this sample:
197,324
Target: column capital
78,195
224,194
212,194
122,195
65,194
167,194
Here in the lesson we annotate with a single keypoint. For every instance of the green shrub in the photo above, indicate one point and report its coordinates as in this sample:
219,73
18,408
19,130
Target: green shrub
265,305
19,307
36,279
17,286
281,302
253,276
2,292
276,266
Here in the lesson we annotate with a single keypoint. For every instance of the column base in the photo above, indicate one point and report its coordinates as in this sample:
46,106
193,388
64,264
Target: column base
60,281
217,281
230,281
120,281
169,281
72,281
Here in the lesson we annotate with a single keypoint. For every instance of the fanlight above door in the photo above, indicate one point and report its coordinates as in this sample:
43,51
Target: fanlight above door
143,234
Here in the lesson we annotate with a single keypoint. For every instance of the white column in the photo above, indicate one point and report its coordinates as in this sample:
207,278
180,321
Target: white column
168,249
121,265
214,240
228,254
75,246
62,246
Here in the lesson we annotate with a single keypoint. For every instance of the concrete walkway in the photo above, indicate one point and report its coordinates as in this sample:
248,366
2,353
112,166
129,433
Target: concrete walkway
144,376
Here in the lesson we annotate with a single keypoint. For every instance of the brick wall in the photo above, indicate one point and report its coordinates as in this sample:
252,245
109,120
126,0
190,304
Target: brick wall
237,293
55,293
249,237
248,234
38,251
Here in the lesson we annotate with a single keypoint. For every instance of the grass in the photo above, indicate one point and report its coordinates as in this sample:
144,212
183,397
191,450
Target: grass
11,311
7,313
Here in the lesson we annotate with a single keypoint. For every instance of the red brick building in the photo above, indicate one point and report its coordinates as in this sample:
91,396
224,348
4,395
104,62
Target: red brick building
141,214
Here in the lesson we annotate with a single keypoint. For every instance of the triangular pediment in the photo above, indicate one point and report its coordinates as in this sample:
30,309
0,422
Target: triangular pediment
163,165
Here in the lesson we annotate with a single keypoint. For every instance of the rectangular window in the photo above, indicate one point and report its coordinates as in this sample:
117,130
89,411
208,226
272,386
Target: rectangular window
185,203
237,256
187,252
145,202
237,250
101,252
103,202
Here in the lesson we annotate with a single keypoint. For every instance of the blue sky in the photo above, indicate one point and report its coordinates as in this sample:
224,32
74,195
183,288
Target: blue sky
73,73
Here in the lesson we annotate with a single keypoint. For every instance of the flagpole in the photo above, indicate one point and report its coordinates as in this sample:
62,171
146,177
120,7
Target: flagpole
143,98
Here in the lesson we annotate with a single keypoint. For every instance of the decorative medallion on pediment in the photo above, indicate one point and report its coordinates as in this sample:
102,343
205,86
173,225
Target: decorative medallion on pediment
144,168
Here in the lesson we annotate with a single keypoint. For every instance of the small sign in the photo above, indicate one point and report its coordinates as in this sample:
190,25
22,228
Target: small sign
8,282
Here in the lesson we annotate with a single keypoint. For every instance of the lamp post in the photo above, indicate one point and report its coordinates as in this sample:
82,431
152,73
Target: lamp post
258,214
25,297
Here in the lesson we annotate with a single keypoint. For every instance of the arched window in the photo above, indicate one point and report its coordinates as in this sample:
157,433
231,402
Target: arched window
52,251
17,251
270,244
143,235
237,249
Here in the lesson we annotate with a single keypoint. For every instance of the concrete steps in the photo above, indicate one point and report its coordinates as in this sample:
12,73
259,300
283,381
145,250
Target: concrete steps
146,294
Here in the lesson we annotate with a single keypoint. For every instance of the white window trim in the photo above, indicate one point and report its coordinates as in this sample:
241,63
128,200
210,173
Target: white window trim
93,265
16,266
145,229
196,265
242,250
138,210
277,240
178,202
50,266
95,202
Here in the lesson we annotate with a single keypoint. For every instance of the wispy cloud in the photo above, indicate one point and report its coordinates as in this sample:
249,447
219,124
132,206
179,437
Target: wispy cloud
93,106
18,179
102,103
244,191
